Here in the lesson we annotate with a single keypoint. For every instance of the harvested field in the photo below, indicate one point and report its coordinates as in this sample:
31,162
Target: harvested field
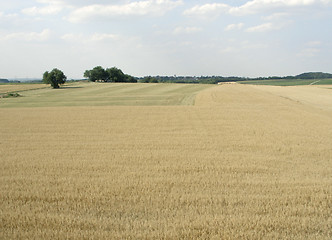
6,88
244,162
108,94
316,96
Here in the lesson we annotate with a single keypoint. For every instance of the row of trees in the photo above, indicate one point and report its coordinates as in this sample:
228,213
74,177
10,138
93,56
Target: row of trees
2,80
149,79
56,77
108,75
216,79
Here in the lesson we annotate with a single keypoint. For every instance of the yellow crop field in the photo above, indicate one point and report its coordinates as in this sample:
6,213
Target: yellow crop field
5,88
244,162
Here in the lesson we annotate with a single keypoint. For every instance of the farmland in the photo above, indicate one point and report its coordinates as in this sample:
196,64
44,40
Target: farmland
8,88
163,161
290,82
98,94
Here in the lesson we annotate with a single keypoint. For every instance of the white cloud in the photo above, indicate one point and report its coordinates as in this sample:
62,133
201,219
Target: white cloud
212,10
254,45
230,50
276,16
138,8
255,6
234,26
209,10
237,46
262,27
71,37
96,37
52,7
309,52
28,36
7,17
55,2
103,37
314,43
269,26
48,10
311,49
186,30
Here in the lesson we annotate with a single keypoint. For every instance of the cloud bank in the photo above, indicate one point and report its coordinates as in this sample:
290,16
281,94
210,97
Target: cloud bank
250,7
138,8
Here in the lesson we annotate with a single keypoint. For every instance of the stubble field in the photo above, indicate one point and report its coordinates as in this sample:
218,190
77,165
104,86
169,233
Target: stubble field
99,94
243,162
8,88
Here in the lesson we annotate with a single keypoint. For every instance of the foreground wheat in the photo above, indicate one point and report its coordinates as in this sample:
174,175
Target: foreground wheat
241,164
19,87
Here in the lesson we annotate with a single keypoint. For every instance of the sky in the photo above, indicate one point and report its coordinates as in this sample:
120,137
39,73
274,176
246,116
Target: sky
166,37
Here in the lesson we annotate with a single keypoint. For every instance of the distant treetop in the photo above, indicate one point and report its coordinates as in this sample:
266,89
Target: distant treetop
4,80
55,78
112,74
314,75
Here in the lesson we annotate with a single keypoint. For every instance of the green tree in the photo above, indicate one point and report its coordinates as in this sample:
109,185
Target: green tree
97,73
109,75
55,78
115,75
149,79
130,79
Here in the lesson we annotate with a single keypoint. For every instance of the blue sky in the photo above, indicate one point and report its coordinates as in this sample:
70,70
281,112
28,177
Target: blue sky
166,37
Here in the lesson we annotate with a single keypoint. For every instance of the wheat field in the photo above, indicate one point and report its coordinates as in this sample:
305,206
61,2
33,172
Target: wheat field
104,94
6,88
244,162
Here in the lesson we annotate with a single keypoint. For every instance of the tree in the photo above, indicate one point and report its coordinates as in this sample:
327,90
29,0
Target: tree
55,78
115,75
4,80
109,75
149,79
314,75
130,79
97,73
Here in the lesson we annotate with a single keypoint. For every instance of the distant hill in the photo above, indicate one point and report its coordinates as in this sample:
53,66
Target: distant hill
4,80
314,75
25,79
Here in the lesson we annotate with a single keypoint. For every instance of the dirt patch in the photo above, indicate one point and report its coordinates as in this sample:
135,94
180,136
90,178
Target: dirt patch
10,95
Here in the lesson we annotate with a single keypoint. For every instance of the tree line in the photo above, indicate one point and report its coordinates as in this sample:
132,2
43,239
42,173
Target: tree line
56,77
112,74
217,79
3,80
98,74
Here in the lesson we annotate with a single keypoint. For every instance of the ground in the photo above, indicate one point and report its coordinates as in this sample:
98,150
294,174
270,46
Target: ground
239,162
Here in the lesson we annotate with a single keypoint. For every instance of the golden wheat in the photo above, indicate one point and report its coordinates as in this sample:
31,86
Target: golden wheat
240,164
5,88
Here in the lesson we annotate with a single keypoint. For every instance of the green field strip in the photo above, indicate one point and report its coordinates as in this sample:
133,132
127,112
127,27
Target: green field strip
112,94
293,82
